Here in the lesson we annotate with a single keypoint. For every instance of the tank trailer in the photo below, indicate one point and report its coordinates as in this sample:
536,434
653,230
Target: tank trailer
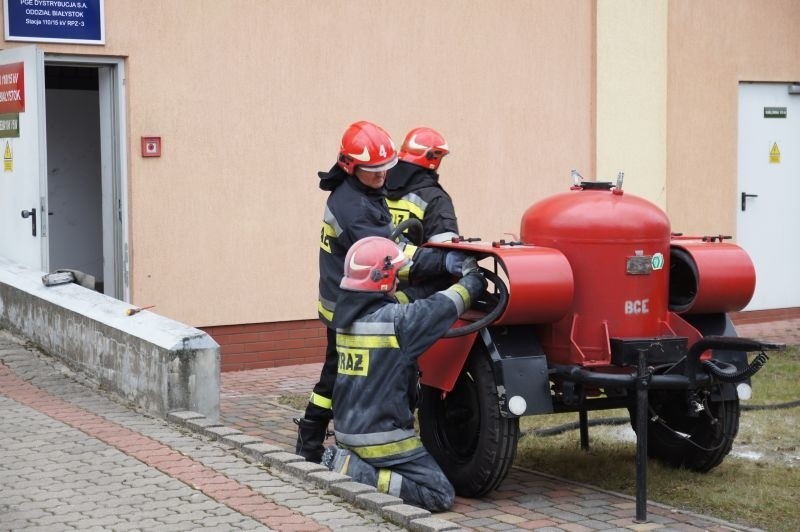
598,305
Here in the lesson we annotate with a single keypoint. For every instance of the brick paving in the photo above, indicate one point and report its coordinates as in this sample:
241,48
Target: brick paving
526,500
73,458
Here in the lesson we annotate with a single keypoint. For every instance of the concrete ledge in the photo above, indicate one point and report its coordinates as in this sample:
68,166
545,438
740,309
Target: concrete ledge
325,479
367,497
432,524
157,363
403,514
281,459
182,416
350,490
200,424
303,469
257,451
374,501
240,440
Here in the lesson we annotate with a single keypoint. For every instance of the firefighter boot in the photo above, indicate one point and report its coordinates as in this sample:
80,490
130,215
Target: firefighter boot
310,435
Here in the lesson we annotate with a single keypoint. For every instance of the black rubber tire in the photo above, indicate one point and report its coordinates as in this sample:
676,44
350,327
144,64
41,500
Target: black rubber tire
712,432
465,432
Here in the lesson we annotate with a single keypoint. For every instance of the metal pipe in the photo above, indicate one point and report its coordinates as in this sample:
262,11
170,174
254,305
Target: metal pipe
642,380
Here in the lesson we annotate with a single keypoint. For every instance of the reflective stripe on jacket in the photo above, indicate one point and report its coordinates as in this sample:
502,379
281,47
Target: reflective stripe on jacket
415,192
378,341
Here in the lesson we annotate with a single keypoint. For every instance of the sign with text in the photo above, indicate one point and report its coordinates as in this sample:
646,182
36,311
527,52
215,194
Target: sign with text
67,21
774,112
12,88
9,125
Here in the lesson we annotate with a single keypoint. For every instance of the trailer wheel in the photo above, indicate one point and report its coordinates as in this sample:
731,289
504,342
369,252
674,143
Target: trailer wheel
679,440
465,432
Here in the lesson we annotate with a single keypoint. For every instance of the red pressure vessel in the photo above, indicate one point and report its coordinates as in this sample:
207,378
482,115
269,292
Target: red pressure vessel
618,246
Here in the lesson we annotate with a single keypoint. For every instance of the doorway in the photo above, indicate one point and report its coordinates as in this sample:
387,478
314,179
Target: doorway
769,189
63,188
74,185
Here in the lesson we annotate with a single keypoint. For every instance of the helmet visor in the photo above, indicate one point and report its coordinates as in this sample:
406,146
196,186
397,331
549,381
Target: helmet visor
379,167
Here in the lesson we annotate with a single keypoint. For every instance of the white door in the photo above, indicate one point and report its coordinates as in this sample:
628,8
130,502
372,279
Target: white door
23,181
769,191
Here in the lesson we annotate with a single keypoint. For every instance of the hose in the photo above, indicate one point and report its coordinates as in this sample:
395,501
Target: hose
736,376
492,315
407,224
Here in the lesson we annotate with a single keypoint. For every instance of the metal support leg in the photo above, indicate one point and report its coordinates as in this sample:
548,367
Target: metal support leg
642,382
583,420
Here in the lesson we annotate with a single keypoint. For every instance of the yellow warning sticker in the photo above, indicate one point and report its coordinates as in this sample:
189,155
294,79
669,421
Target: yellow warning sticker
774,154
8,159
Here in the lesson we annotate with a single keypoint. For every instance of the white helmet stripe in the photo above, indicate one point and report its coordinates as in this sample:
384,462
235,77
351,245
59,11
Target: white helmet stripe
412,144
363,156
355,266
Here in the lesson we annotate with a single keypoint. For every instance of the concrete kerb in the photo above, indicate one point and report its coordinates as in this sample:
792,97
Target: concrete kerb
366,497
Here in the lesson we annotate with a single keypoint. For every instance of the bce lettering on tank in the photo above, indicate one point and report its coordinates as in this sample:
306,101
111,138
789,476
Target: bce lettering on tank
637,306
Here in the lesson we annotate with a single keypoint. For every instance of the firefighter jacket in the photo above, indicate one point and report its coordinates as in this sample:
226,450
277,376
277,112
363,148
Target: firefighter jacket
378,341
354,211
414,192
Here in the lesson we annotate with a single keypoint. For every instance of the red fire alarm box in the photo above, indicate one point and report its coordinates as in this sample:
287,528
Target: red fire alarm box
151,146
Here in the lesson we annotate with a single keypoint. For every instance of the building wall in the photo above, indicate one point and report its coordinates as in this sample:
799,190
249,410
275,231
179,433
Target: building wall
712,46
251,98
632,96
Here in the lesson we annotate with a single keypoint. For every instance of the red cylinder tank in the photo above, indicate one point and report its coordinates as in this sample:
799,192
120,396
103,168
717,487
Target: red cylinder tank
618,246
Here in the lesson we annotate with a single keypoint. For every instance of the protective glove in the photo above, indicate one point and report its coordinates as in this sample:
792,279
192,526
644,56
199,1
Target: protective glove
475,283
454,261
469,265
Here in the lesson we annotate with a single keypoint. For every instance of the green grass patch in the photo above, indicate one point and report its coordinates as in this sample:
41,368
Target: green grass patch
761,492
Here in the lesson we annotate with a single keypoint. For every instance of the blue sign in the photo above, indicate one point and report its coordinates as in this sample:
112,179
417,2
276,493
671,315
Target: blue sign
67,21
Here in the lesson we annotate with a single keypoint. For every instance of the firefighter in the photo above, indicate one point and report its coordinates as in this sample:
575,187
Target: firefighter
356,208
378,341
413,189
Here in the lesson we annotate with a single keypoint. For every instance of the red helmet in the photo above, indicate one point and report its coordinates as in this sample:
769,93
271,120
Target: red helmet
366,145
371,265
424,147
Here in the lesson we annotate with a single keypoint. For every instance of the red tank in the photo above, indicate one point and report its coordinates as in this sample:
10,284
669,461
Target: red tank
618,246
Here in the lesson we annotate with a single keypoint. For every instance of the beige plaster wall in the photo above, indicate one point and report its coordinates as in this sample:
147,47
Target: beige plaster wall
632,95
713,45
251,97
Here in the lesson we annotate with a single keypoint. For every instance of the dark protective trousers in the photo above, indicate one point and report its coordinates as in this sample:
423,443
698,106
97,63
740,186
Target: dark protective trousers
327,379
421,481
313,427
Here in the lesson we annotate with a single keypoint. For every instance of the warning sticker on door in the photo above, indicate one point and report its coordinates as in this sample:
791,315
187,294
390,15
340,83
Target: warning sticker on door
8,159
774,154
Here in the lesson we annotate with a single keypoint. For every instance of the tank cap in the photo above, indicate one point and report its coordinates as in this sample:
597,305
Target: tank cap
596,185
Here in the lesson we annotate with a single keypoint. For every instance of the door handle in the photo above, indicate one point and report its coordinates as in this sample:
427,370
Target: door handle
32,215
745,195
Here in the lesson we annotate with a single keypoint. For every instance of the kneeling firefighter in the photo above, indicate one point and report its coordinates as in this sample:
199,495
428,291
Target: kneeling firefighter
378,341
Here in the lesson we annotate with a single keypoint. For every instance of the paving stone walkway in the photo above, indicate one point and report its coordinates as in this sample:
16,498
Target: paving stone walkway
73,458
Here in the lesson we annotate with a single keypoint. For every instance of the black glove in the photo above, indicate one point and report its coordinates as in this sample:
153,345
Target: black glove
475,283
